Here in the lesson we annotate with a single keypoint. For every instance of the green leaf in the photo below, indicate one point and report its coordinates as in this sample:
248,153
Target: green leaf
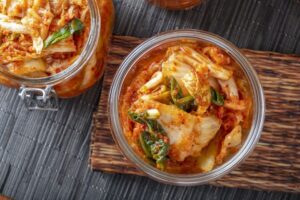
159,151
186,103
153,146
216,97
74,26
176,91
137,117
146,142
152,124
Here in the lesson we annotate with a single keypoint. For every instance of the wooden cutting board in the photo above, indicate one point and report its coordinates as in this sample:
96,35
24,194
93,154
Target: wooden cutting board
275,162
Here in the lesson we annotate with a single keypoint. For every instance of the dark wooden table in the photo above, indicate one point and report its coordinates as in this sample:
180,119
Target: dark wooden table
44,155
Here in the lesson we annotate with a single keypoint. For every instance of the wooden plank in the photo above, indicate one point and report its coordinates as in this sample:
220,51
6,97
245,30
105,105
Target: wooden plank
275,162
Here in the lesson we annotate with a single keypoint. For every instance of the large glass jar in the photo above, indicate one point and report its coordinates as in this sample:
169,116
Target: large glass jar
176,4
125,75
80,75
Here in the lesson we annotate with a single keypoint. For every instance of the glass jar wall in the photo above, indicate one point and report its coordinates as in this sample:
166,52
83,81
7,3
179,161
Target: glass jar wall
77,76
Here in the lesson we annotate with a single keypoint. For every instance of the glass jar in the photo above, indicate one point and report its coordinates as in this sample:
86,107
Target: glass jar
250,139
83,73
176,4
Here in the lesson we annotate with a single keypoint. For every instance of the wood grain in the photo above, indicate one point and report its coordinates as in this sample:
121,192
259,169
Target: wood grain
275,162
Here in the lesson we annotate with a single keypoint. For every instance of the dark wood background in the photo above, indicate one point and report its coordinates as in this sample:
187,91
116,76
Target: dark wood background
44,155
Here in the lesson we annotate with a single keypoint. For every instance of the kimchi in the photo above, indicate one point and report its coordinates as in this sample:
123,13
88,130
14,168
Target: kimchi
187,107
40,38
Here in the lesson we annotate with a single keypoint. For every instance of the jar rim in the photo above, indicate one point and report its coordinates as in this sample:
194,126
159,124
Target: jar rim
257,119
80,62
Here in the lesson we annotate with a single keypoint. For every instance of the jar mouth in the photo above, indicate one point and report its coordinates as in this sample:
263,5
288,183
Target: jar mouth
249,142
87,52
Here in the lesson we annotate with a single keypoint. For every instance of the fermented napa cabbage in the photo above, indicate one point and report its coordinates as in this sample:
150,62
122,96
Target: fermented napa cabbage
207,160
229,88
187,133
189,104
185,70
14,27
233,102
44,30
64,46
206,128
215,70
33,66
233,139
155,80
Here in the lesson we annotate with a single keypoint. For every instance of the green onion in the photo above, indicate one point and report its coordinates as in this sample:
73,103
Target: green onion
137,117
154,148
152,124
216,97
74,26
159,152
186,103
146,142
176,91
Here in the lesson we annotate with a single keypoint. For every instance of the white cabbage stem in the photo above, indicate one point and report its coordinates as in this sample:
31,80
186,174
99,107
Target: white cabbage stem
239,105
160,94
232,139
14,27
155,80
229,88
3,17
38,44
213,83
63,46
208,157
153,114
215,70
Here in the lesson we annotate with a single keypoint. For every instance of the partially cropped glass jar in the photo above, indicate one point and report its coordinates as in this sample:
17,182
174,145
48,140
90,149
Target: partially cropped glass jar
82,74
123,76
176,4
